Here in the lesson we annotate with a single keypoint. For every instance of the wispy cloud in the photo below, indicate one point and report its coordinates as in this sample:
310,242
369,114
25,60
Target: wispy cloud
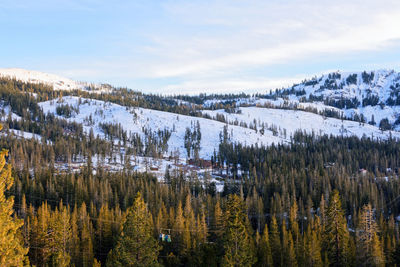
221,44
264,34
319,30
228,86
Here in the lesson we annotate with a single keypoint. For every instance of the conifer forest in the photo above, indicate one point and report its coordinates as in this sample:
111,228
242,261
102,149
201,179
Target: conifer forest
317,200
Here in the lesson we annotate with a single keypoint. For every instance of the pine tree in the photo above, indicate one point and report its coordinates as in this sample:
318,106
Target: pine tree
179,227
264,249
104,233
40,251
218,221
377,255
297,238
12,252
313,244
238,242
289,255
86,239
75,244
136,245
190,224
336,234
276,247
369,248
60,236
218,228
291,251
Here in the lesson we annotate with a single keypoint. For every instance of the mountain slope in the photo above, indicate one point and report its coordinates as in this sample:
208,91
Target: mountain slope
287,122
279,125
57,82
363,96
262,120
91,113
372,97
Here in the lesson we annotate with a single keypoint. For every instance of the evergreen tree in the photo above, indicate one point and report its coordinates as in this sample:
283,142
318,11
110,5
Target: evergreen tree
289,258
368,244
264,249
137,245
313,244
336,233
12,252
238,242
60,236
377,255
218,221
276,247
297,238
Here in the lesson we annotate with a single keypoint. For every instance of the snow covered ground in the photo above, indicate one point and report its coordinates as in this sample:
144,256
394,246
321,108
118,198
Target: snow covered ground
53,80
22,134
155,166
338,86
58,82
286,123
137,120
291,121
5,112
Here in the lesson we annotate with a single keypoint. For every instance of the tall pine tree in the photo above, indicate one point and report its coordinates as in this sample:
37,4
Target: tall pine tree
12,252
137,245
238,242
336,234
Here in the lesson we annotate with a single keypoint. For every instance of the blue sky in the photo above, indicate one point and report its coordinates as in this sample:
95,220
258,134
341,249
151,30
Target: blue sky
199,46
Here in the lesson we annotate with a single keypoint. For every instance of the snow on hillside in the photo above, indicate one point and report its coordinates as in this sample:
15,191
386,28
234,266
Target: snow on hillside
135,121
286,122
375,113
21,134
58,82
5,111
371,96
290,121
53,80
352,84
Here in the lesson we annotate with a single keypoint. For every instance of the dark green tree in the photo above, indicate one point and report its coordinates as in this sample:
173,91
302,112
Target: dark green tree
136,245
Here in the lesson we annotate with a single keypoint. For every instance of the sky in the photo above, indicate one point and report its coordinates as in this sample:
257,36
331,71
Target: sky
188,47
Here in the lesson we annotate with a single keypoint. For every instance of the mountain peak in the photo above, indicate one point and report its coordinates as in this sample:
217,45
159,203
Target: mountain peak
56,81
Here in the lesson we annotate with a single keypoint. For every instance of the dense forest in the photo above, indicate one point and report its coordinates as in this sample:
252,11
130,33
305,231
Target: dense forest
318,201
304,204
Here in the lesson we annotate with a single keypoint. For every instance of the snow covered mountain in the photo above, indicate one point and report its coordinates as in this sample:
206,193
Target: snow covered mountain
363,96
254,125
56,81
93,113
370,97
338,104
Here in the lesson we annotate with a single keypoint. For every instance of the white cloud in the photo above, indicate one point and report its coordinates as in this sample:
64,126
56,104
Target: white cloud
228,86
224,44
321,29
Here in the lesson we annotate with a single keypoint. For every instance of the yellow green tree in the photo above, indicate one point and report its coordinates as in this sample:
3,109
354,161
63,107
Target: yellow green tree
238,242
136,246
336,233
369,248
12,251
264,249
275,241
